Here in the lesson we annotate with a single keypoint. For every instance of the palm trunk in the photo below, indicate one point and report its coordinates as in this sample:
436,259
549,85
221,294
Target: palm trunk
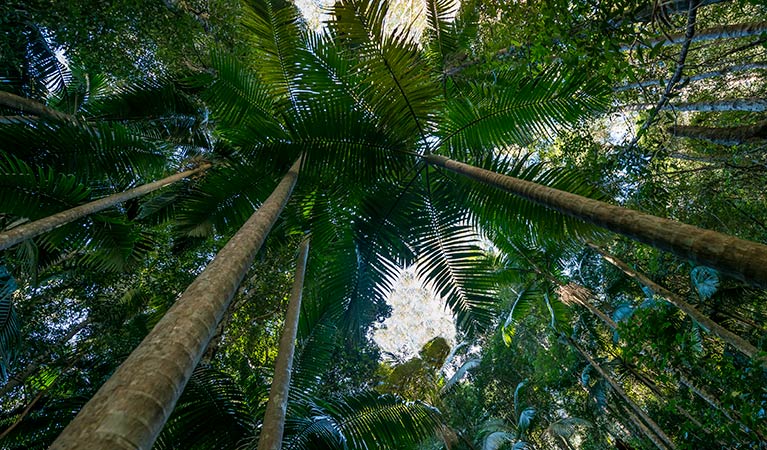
572,293
739,30
662,441
738,258
32,107
691,78
725,135
726,335
738,104
130,409
274,418
29,230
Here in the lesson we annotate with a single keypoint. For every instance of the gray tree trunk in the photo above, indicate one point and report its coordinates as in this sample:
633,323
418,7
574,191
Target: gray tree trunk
130,409
274,418
29,230
692,78
725,135
744,260
738,104
739,30
658,436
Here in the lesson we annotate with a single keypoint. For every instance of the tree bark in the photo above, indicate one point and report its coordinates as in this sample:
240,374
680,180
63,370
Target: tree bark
662,441
691,78
738,104
32,107
130,409
274,418
738,258
739,30
724,334
29,230
725,135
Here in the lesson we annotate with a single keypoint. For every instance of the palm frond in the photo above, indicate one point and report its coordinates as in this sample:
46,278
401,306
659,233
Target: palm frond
362,421
397,83
10,334
516,109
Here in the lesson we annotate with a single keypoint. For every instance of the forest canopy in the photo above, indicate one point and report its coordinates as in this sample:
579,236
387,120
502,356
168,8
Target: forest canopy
206,207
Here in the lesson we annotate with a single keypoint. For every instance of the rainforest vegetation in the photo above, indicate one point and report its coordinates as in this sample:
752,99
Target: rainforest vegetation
205,206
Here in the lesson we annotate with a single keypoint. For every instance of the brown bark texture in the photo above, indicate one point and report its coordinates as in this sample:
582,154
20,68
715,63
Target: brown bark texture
724,135
741,259
277,406
130,409
30,230
32,107
724,334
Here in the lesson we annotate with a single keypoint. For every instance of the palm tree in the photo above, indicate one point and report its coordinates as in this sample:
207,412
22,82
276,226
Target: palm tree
365,110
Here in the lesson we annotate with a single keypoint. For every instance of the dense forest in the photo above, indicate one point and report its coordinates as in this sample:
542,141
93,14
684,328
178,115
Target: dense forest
205,206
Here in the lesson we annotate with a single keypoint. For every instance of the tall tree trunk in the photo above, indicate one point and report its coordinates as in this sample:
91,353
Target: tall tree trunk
726,335
662,441
664,8
691,78
29,230
274,418
739,30
738,258
725,135
130,409
739,104
33,107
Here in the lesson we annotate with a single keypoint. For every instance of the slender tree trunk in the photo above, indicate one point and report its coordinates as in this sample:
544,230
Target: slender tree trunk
691,78
32,107
653,8
130,409
726,335
739,30
725,135
274,418
29,230
662,441
572,293
738,258
738,104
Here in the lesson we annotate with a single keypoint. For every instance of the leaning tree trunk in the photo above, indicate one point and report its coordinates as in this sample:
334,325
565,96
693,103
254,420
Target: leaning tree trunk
130,409
726,335
274,418
29,230
725,135
738,104
692,78
665,441
738,258
32,107
739,30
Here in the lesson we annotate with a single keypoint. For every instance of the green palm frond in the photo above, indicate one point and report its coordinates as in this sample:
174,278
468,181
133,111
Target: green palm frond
517,109
397,83
213,412
239,101
450,258
115,245
141,100
361,421
497,213
275,29
28,192
441,34
98,151
10,334
47,75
